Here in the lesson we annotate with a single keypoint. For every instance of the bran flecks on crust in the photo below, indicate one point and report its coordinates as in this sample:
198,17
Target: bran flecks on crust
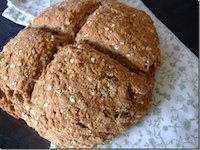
82,72
118,101
125,33
23,63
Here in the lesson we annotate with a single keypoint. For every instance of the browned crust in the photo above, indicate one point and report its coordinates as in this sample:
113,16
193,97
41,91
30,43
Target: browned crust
125,33
21,63
82,97
89,98
67,16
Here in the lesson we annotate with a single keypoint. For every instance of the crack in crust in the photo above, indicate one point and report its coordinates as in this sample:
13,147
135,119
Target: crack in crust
124,34
23,61
81,95
69,16
92,116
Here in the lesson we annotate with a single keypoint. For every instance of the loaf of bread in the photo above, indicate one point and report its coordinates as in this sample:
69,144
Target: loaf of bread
82,72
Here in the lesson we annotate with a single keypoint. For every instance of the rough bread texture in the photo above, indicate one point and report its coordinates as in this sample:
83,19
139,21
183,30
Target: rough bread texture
124,33
86,97
82,73
66,17
21,63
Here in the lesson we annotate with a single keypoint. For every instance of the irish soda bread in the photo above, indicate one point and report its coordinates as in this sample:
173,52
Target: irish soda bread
82,72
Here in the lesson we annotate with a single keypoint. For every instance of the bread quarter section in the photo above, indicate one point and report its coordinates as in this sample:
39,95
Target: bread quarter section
66,17
84,98
125,33
21,63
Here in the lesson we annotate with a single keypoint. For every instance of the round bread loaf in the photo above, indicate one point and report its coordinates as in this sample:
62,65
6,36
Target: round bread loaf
82,72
